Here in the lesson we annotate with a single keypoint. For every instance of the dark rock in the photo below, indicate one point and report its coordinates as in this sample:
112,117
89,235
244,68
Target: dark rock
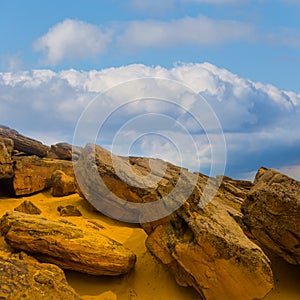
61,151
28,207
23,143
69,211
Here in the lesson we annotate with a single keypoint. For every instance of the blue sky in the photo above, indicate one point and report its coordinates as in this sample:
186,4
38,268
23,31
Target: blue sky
258,56
242,56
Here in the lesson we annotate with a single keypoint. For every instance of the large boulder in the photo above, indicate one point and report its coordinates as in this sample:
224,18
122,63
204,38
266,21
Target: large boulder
62,184
23,277
6,162
66,246
201,242
34,174
272,213
23,143
208,250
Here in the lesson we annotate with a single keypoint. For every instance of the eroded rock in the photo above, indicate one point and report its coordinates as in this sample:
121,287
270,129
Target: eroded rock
23,277
34,174
62,184
23,143
272,213
201,242
6,162
66,246
69,211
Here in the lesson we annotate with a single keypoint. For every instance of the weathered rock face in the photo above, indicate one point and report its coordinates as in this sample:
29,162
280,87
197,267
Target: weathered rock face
62,184
209,251
66,246
23,143
272,213
6,162
23,277
203,247
33,174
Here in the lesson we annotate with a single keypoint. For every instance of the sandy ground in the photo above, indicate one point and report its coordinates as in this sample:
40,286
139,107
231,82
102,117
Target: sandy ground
149,280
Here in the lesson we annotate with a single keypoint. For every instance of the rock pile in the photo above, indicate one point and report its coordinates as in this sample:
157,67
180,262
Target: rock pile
28,166
214,246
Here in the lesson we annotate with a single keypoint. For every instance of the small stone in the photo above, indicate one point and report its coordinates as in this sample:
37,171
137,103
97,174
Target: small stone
69,211
28,207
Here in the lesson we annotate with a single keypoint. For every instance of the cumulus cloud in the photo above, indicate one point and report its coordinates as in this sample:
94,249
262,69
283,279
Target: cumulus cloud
72,39
183,32
260,122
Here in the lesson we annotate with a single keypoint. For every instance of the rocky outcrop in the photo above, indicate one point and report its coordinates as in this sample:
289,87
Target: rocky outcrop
66,246
201,242
272,213
27,207
23,143
62,184
34,174
6,162
23,277
209,251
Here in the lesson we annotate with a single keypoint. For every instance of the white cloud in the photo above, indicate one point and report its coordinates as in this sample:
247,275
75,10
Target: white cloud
261,122
72,39
183,32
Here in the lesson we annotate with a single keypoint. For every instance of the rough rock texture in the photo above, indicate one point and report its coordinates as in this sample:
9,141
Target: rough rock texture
64,151
201,243
66,246
33,174
61,151
272,213
69,211
62,184
23,143
23,277
6,162
28,207
210,252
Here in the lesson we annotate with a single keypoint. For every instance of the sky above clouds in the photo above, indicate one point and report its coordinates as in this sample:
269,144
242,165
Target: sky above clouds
242,56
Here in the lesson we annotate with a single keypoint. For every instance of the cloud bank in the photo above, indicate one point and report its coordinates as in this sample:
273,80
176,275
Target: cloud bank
260,122
72,39
75,40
